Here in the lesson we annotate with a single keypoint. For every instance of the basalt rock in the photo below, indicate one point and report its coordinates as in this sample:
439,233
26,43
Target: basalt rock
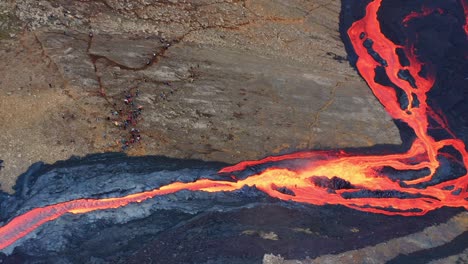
184,227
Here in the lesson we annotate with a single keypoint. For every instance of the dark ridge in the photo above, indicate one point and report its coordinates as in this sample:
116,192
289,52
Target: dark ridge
381,77
391,209
111,193
448,188
402,58
382,194
334,183
415,103
285,190
368,43
454,247
404,175
406,76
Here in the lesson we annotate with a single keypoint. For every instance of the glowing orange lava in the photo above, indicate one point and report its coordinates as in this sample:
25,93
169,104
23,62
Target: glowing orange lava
363,172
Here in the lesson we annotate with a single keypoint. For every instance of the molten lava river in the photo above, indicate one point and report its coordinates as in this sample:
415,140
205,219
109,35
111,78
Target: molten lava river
361,177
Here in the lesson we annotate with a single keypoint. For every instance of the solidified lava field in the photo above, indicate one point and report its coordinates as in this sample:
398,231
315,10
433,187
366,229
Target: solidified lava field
112,208
184,227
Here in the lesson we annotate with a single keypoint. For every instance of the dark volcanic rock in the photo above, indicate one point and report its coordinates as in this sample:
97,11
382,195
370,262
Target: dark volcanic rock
335,183
184,227
443,29
187,227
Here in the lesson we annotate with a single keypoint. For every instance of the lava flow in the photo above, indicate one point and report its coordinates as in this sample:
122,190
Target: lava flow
362,182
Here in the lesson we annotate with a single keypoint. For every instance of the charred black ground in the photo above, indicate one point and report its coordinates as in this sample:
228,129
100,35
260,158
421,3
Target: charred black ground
439,39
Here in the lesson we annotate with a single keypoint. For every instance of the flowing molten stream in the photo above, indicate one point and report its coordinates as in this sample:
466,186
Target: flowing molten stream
364,172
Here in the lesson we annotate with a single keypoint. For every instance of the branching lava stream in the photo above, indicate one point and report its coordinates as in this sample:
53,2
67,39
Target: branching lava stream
363,175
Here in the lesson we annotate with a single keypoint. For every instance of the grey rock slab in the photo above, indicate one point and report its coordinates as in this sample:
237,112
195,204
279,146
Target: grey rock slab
246,80
68,50
219,99
126,51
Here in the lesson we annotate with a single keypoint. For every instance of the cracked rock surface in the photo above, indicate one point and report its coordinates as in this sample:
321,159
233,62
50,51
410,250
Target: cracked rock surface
218,80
